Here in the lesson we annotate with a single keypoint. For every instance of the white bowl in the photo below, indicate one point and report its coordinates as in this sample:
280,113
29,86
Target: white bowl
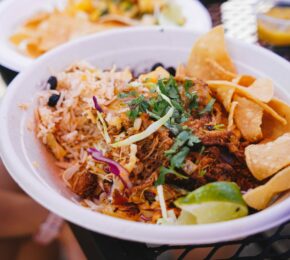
14,12
139,48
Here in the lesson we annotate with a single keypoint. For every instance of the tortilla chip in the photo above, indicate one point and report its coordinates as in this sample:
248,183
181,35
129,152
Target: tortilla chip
216,71
118,19
264,160
259,198
231,125
225,95
36,20
208,51
154,76
248,119
180,72
17,38
214,84
271,128
244,80
262,89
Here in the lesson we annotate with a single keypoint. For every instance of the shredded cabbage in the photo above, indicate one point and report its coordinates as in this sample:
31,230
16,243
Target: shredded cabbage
105,128
162,202
149,131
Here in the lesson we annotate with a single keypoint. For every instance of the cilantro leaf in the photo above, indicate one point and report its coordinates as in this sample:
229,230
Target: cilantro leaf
193,98
137,106
193,139
184,137
219,127
127,94
180,140
208,108
163,172
178,159
202,172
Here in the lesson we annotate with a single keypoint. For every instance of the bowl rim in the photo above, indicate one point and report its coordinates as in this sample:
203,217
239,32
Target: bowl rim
178,235
26,61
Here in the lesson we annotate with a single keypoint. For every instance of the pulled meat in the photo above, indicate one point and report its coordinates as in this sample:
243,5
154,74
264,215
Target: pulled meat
84,184
217,164
151,151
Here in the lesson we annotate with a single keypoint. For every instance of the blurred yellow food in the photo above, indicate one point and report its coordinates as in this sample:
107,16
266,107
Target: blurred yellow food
275,34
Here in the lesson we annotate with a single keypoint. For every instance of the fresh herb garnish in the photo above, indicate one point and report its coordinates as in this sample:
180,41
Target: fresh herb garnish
219,127
137,106
202,172
208,108
132,93
163,172
178,159
185,137
192,96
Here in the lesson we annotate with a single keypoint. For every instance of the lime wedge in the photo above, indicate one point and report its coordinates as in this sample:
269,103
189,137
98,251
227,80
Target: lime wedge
186,218
214,202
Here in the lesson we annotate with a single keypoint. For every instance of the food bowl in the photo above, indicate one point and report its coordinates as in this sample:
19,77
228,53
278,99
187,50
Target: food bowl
138,48
14,13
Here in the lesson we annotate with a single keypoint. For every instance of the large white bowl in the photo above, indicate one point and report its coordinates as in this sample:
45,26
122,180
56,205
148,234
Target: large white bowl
139,48
14,12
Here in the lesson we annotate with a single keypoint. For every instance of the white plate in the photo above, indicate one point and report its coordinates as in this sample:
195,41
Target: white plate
14,12
140,48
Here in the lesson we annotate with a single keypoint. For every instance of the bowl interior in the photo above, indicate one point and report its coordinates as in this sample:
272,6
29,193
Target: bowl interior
32,167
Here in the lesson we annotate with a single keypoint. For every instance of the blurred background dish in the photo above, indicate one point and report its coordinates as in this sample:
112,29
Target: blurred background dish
185,13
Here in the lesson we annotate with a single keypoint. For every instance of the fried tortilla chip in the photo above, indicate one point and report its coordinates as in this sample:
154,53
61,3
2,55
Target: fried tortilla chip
264,160
259,198
155,75
231,125
262,89
248,119
271,128
209,57
180,72
225,95
244,80
216,71
214,84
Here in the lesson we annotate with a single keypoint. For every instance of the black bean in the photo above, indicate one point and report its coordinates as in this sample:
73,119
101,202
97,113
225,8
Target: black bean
52,101
171,70
52,81
156,65
210,127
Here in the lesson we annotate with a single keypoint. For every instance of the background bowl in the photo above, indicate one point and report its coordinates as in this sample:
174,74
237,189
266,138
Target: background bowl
14,12
139,48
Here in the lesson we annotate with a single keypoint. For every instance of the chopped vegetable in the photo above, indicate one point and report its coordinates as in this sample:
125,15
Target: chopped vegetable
162,202
178,159
97,106
104,128
208,107
149,131
115,167
132,93
137,106
183,138
163,172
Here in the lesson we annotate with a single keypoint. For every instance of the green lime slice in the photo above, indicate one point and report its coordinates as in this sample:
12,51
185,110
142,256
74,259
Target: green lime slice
186,218
214,202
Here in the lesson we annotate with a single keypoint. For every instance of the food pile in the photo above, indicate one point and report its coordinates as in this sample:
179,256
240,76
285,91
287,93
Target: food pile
194,146
78,18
